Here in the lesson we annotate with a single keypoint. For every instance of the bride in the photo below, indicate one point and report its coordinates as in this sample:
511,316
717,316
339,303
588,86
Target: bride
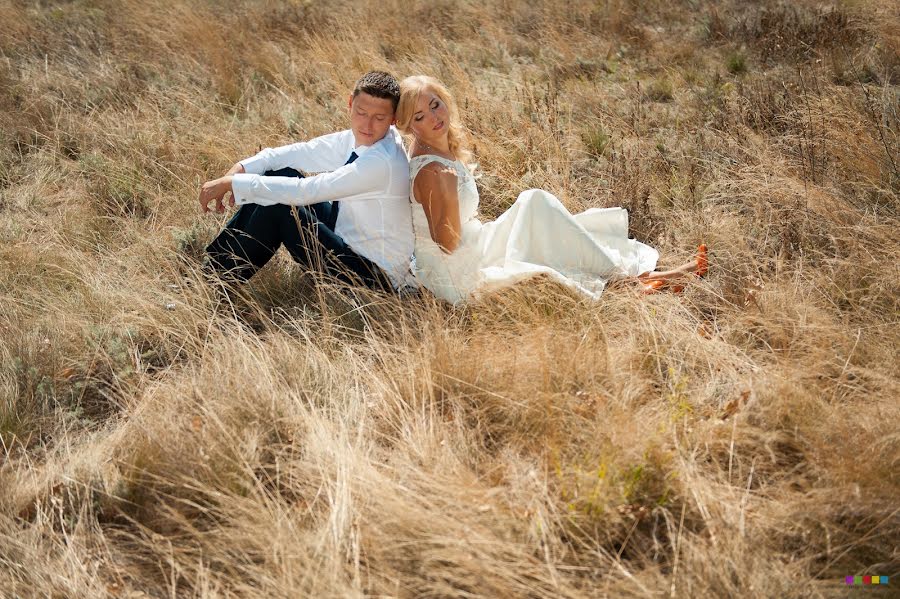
458,257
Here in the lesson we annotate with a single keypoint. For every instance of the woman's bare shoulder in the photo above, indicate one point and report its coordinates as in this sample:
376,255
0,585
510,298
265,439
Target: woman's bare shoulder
435,178
438,168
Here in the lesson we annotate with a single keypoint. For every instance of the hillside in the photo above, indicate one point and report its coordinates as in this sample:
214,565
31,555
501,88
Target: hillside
737,440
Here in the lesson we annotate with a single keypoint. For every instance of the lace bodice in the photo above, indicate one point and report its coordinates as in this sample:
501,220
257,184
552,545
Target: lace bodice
431,264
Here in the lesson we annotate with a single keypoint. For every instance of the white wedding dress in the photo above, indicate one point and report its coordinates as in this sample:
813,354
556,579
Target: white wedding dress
537,235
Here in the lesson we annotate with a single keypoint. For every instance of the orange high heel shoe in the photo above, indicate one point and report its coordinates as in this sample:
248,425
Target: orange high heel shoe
702,261
652,286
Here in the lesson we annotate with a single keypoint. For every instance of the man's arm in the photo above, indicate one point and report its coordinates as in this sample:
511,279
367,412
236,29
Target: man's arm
324,153
365,178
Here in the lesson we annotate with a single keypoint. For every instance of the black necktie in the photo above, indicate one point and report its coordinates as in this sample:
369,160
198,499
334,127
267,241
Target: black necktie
335,205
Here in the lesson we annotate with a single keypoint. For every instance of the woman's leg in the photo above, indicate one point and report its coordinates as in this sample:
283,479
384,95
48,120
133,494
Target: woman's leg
659,279
699,266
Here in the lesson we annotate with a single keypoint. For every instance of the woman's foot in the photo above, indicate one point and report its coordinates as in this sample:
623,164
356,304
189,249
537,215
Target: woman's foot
664,280
652,286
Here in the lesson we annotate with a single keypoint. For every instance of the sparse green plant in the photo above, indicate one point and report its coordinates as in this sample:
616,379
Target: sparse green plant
191,242
596,141
116,189
736,63
661,90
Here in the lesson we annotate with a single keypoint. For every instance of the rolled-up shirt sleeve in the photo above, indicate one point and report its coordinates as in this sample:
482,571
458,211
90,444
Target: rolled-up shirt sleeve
363,179
323,153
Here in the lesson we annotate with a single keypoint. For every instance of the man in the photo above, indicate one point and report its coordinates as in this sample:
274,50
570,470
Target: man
352,219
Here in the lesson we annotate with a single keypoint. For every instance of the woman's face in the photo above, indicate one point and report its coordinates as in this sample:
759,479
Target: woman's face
431,119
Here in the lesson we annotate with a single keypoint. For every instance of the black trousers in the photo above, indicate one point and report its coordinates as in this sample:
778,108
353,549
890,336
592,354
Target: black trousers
255,233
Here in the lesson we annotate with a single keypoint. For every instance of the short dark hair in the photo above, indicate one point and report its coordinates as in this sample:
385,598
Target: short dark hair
380,85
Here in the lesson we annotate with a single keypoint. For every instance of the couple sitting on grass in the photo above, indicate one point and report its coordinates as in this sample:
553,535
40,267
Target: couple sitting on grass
372,216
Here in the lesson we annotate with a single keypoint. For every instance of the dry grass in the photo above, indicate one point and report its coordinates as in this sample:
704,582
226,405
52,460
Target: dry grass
737,441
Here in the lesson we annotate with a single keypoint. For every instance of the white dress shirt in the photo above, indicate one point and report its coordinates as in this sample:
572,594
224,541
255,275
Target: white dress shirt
374,217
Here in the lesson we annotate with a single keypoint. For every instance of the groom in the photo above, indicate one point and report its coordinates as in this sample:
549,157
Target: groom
351,220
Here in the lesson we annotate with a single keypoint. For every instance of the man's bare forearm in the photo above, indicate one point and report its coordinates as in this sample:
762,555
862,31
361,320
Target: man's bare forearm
237,169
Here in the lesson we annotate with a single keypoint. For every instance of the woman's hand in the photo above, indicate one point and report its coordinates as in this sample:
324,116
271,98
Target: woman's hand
215,190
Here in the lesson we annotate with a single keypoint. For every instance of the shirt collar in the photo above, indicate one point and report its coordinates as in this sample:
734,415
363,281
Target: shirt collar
392,136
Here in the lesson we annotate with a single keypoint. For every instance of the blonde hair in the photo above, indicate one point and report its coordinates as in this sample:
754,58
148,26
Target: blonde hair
410,89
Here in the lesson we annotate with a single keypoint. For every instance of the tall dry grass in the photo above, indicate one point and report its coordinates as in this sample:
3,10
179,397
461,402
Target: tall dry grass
739,440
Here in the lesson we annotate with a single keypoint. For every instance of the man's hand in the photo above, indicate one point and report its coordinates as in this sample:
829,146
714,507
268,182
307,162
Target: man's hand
215,190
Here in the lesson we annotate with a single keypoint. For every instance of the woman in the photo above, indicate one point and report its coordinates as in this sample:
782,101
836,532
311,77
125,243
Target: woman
458,257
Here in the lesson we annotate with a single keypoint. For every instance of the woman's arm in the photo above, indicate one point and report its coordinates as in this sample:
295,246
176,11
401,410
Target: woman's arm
435,189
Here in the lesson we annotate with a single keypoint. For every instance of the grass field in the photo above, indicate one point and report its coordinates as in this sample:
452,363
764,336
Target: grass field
737,440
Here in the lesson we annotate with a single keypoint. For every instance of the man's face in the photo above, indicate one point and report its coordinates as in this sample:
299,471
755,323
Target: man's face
370,118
